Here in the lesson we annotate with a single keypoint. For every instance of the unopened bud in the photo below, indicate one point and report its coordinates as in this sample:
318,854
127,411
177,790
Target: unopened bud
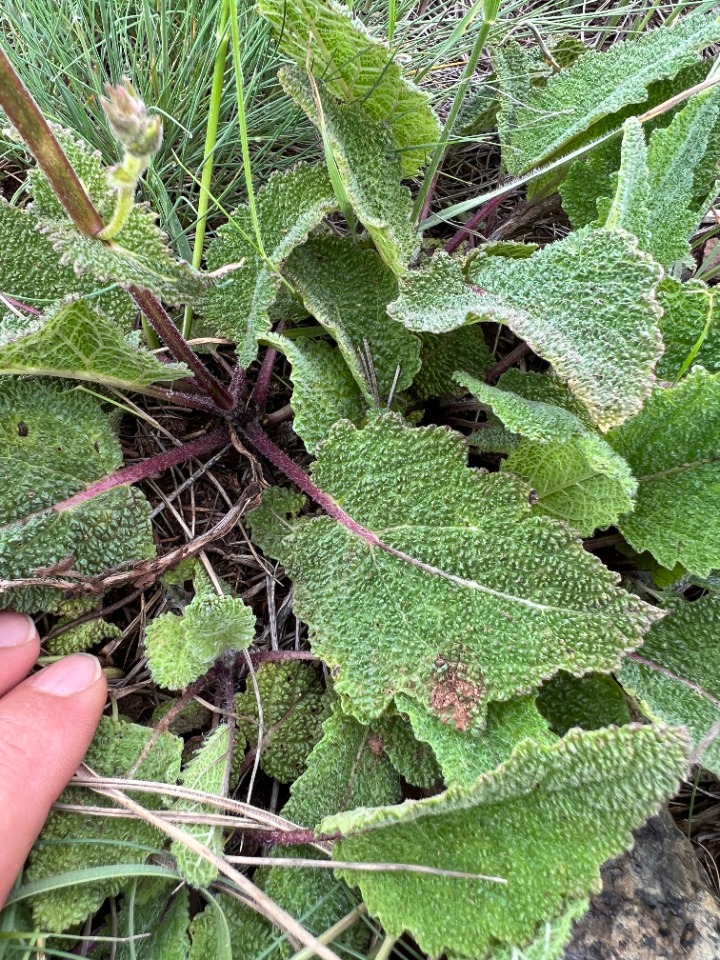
137,131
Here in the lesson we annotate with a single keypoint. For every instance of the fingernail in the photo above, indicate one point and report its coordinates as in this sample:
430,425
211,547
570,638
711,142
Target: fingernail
15,629
68,676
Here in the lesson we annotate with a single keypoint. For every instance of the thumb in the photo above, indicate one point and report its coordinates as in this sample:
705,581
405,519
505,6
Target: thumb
46,725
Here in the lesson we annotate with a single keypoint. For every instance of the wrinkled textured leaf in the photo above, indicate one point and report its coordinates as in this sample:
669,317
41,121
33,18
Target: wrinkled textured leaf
207,771
442,355
227,929
537,122
324,389
288,208
550,940
685,643
690,327
672,448
464,756
54,442
30,271
545,820
70,841
348,768
587,702
73,341
683,172
181,648
582,480
137,256
629,209
369,167
413,759
83,635
356,67
294,706
587,304
535,419
504,582
347,290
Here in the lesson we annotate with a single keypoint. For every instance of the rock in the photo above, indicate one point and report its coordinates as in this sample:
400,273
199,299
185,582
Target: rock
654,905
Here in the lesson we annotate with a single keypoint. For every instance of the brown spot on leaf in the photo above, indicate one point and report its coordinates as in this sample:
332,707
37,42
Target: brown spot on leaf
22,429
454,698
376,745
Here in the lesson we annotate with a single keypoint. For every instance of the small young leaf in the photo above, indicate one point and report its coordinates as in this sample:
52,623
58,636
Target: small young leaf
690,327
442,355
83,635
368,165
71,841
207,771
672,449
75,342
538,121
684,643
356,67
499,600
30,271
54,442
288,207
324,389
137,256
294,706
347,290
545,821
588,702
181,648
464,756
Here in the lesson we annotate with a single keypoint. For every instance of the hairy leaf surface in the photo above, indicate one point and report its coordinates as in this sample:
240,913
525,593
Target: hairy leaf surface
369,167
288,208
505,599
672,449
324,389
181,648
207,771
31,272
347,290
537,122
73,341
686,643
442,355
54,442
464,756
70,841
138,256
690,327
356,67
545,821
294,707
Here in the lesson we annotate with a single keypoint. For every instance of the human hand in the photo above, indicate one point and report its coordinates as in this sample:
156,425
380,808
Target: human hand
46,725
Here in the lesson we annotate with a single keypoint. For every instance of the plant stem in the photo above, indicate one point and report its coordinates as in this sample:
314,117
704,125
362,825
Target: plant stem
522,350
171,336
266,448
145,469
490,9
211,130
242,121
25,116
475,220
